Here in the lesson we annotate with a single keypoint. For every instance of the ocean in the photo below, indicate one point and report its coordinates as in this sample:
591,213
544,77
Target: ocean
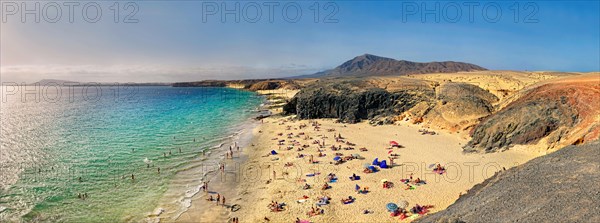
92,154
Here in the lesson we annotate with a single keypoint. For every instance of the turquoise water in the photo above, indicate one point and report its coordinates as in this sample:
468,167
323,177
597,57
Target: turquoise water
53,149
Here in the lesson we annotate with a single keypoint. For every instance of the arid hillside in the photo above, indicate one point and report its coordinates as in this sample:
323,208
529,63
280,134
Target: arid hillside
497,108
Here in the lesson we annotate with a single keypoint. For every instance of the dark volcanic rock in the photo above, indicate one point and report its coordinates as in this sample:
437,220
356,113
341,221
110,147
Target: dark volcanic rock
351,101
265,85
559,187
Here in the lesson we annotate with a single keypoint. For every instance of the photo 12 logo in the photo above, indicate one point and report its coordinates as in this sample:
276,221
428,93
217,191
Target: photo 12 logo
253,12
55,12
454,12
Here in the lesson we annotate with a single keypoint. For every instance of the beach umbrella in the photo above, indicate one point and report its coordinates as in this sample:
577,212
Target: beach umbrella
403,204
384,180
390,151
394,143
391,207
432,165
336,158
375,161
356,187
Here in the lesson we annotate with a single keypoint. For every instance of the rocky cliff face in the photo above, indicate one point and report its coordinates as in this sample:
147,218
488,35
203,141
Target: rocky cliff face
459,106
559,187
455,105
562,112
352,101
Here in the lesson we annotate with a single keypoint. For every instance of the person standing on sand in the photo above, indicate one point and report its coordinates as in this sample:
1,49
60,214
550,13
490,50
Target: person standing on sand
274,175
223,200
218,199
158,170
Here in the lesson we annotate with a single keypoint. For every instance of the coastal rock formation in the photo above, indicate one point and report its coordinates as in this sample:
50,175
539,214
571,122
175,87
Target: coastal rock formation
450,105
559,187
352,101
562,112
371,65
459,106
273,85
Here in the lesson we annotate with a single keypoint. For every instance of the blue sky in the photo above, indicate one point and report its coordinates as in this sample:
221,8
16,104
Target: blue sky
171,42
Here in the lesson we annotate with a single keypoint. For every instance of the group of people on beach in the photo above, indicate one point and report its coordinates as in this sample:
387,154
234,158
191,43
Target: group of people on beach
339,158
218,199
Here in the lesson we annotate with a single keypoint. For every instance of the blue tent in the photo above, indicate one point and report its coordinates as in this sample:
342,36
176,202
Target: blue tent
376,162
273,152
383,164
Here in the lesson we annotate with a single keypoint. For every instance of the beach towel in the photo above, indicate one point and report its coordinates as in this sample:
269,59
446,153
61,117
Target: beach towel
383,164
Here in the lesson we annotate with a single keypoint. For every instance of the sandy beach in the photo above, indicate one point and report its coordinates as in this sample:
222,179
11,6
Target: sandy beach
265,177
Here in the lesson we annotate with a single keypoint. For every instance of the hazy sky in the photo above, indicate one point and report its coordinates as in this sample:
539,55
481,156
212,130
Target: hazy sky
187,40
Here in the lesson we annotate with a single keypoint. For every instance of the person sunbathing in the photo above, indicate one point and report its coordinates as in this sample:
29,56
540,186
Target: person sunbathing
387,185
321,154
416,209
419,181
288,164
363,149
314,211
354,177
306,187
210,198
367,170
325,186
348,200
439,169
364,190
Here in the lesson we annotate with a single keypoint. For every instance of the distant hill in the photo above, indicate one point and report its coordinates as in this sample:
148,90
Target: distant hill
52,82
371,65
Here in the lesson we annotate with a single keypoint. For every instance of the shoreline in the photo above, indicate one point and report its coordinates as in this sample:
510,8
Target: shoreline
179,204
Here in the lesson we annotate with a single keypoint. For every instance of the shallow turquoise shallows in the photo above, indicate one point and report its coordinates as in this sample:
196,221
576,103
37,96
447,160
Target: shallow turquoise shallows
58,146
